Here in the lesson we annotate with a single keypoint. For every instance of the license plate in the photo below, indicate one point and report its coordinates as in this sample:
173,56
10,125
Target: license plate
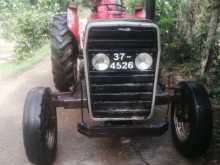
122,61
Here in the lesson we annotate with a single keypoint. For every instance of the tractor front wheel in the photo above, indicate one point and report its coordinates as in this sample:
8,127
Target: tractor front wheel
40,127
191,119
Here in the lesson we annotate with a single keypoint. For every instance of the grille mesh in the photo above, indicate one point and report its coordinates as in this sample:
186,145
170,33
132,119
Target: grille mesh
121,94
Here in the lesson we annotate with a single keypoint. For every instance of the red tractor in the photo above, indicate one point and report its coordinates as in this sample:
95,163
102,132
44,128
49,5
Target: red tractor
113,71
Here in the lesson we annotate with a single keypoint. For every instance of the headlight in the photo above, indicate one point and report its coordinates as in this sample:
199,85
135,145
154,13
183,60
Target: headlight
100,62
143,61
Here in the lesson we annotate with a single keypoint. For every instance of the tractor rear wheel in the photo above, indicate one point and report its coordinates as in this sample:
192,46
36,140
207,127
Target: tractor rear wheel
191,119
40,127
64,51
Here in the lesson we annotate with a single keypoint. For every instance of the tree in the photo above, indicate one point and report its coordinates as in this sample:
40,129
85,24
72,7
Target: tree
207,55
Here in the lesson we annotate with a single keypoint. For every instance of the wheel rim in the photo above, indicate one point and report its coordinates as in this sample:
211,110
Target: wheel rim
182,128
50,138
49,124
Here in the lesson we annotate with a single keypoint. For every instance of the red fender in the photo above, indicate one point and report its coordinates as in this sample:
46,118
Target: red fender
139,11
73,22
139,14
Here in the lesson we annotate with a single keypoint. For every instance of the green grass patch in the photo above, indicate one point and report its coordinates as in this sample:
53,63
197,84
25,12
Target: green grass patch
14,68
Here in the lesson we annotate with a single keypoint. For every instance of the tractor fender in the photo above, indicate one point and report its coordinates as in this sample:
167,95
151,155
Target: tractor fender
73,22
139,14
139,11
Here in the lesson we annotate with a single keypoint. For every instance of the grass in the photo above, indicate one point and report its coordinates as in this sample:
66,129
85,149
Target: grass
14,68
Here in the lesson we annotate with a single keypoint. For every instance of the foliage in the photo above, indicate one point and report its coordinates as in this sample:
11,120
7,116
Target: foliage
184,30
175,47
29,33
29,28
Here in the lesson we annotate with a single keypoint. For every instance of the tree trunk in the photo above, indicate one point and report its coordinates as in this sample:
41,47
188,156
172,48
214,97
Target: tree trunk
213,25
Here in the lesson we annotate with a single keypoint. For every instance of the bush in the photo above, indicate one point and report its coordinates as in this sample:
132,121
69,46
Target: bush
26,25
31,30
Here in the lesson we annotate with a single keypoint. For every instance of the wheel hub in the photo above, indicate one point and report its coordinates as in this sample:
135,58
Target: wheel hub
183,127
50,138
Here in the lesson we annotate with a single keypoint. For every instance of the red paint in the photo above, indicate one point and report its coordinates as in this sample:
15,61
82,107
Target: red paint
112,11
139,12
73,22
104,10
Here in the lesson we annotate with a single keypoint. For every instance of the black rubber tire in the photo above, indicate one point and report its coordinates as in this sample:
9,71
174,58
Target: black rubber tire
64,51
194,96
39,117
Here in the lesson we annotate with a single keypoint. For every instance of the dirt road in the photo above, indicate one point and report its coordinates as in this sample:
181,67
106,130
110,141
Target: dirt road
74,148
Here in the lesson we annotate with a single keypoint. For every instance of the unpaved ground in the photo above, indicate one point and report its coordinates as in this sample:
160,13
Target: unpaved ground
6,50
74,148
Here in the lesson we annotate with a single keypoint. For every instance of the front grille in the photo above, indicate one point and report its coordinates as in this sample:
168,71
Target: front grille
121,94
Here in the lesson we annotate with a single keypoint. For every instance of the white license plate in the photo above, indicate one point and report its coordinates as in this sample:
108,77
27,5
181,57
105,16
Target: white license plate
122,61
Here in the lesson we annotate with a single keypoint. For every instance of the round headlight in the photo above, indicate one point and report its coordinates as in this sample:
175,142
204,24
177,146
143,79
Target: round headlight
100,62
143,61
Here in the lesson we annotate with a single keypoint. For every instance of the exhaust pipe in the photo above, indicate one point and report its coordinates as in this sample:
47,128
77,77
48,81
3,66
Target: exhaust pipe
150,9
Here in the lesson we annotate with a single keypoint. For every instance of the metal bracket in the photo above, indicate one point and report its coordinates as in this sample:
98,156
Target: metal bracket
154,129
69,100
73,100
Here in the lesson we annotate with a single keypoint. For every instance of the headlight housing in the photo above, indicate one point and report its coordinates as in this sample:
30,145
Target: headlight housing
101,62
143,61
